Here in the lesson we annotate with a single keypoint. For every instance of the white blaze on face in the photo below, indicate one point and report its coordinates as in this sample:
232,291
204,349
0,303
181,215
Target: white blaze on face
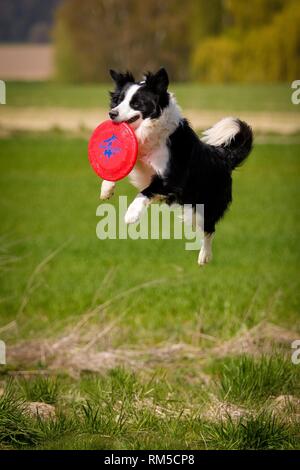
124,109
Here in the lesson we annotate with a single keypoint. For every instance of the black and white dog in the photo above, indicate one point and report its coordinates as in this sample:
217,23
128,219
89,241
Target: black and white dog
173,162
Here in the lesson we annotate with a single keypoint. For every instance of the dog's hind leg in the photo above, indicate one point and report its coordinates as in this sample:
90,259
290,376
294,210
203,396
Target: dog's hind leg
107,189
205,254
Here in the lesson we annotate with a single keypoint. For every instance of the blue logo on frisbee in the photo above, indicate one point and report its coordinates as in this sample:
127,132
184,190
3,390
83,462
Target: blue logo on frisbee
109,148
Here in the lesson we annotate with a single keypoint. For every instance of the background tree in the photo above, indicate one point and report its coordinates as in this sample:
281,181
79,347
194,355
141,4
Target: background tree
216,41
95,35
206,21
262,44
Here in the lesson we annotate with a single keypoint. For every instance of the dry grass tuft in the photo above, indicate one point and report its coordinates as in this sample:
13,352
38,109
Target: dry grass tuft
219,410
263,338
86,347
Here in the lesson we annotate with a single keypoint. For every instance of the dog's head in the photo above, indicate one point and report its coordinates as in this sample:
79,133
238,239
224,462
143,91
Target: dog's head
132,101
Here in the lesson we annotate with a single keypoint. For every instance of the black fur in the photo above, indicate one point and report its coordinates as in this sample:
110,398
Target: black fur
198,173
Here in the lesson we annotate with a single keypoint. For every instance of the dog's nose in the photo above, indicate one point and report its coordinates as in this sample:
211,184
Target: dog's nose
113,114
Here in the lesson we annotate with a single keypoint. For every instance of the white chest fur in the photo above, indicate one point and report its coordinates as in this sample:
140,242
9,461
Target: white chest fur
152,135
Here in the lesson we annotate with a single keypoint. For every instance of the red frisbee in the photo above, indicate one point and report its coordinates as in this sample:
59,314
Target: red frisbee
113,150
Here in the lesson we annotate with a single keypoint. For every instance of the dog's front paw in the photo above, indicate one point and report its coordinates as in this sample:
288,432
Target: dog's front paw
106,195
107,190
205,257
134,211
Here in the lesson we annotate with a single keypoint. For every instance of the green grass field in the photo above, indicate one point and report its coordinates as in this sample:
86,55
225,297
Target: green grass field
149,297
229,98
50,196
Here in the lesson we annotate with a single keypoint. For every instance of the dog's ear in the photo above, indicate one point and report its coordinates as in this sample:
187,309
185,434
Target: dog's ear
158,81
114,75
162,79
121,78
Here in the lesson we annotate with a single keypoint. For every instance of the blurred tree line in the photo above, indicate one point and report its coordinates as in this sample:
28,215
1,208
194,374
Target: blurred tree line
26,20
214,41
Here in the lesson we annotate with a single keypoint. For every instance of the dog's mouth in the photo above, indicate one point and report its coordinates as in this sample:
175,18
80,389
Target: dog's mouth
133,119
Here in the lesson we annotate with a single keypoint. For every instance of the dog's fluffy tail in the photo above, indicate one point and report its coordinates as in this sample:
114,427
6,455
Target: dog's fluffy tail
232,134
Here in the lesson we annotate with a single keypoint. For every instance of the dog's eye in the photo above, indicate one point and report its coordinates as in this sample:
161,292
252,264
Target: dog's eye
135,104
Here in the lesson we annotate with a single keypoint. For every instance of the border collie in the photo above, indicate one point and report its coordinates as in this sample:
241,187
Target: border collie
173,163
